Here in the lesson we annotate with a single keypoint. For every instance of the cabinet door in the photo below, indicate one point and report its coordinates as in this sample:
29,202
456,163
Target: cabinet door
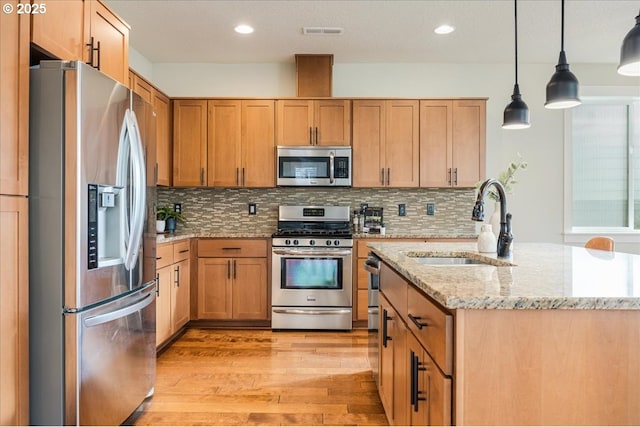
162,107
294,122
113,34
385,329
163,304
59,31
180,301
368,142
250,288
429,391
436,141
189,143
14,307
469,123
258,144
14,103
223,143
332,122
214,288
400,373
141,87
402,143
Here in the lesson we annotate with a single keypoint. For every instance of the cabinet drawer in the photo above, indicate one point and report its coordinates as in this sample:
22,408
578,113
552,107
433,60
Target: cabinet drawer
394,287
233,248
181,251
164,255
433,328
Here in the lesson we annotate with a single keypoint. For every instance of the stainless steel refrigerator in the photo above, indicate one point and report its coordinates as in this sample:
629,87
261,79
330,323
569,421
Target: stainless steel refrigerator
92,247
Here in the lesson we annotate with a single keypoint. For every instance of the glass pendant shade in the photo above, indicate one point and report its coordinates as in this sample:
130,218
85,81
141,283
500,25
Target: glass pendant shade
630,52
562,89
516,114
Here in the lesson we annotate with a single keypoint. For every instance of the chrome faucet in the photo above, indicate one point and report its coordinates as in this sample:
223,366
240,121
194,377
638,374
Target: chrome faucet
505,237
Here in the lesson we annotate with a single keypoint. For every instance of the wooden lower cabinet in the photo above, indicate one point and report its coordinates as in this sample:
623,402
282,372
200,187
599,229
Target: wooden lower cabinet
173,294
429,390
14,310
232,288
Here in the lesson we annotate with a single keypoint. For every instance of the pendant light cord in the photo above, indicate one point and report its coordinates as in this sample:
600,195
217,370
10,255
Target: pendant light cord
562,28
515,14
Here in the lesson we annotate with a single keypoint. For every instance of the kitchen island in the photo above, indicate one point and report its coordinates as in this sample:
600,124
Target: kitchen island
549,336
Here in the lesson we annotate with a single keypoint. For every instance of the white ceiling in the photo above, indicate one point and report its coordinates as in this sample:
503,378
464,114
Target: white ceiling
376,31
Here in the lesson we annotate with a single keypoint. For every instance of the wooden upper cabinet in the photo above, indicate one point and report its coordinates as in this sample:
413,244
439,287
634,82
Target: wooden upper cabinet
241,148
313,122
189,143
223,143
402,144
452,142
385,143
60,31
162,106
14,104
105,27
141,87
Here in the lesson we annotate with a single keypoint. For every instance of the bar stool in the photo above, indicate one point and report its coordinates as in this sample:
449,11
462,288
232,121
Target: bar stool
600,242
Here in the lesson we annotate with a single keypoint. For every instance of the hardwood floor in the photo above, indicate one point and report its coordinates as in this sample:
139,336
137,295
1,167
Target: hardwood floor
234,377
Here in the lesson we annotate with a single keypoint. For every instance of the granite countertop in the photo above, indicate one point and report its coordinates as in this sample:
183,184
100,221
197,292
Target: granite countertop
537,276
413,236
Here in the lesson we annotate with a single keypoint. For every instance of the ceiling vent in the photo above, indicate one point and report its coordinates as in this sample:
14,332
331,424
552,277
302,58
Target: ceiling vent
322,31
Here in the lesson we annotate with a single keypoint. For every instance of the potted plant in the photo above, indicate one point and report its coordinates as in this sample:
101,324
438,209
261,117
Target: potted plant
166,219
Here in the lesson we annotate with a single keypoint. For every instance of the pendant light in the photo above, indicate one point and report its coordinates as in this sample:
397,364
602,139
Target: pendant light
630,52
516,114
562,89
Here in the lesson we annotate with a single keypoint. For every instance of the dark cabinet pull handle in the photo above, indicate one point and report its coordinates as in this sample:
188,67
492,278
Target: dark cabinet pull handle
416,321
157,285
229,269
176,280
234,268
92,50
98,49
456,176
317,141
237,176
310,135
385,328
158,258
382,176
450,176
183,251
231,249
388,176
416,366
243,177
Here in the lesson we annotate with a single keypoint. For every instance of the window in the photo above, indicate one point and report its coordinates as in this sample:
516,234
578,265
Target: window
603,177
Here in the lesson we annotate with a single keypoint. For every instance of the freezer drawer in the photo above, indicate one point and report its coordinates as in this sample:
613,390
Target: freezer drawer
116,367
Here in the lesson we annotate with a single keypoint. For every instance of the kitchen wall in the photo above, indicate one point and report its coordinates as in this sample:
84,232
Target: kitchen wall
537,200
226,210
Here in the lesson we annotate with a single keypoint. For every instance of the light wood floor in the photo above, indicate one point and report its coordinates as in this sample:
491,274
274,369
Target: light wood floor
214,377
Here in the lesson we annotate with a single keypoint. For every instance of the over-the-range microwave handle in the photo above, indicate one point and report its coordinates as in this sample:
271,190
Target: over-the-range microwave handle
312,252
332,168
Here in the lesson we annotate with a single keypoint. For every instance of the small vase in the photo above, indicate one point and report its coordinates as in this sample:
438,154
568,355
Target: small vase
495,219
160,224
171,225
487,242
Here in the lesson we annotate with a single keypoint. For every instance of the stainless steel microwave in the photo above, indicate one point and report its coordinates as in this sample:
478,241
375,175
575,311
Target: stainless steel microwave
314,166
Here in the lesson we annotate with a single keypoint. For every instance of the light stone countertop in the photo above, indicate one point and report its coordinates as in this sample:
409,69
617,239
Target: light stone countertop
542,276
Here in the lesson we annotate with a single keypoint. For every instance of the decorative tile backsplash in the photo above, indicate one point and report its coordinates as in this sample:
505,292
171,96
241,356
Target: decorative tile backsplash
226,210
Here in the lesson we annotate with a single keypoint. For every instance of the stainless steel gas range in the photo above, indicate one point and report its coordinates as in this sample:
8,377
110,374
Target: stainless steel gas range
312,254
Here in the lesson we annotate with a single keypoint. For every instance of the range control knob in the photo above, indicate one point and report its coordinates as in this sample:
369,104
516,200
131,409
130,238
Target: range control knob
312,242
328,242
295,242
336,242
287,242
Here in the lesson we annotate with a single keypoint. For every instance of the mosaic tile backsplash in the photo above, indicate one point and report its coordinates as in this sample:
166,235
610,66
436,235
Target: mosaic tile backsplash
226,210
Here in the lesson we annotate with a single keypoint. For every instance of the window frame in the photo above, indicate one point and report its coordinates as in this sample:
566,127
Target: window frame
594,95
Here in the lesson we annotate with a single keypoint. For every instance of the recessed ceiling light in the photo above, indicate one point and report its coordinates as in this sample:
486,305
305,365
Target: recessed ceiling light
444,29
243,29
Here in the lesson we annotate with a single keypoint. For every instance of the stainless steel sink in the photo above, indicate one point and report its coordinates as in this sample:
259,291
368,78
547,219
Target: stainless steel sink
447,261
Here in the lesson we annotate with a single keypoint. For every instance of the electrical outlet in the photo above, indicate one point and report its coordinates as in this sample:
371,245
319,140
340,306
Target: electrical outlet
402,209
252,209
363,206
177,207
431,208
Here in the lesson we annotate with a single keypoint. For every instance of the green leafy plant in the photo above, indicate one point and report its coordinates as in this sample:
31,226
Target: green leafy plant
163,213
506,178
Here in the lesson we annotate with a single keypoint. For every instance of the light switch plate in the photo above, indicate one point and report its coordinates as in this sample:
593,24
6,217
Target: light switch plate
402,209
252,209
431,208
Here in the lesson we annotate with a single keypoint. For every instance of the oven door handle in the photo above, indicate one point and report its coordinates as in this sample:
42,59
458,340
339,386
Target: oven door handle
299,311
314,252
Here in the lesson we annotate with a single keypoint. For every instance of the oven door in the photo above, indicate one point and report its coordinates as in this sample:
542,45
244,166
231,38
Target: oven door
312,277
320,166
